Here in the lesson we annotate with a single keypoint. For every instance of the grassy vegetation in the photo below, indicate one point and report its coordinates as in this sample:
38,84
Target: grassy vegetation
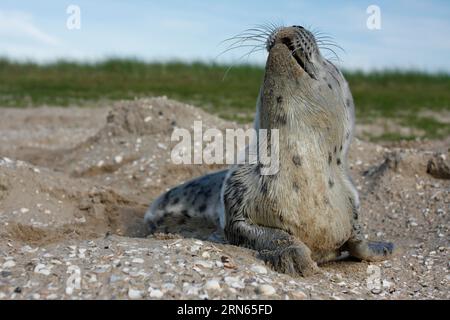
391,94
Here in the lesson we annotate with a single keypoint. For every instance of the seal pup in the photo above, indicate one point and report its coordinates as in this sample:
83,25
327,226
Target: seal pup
307,213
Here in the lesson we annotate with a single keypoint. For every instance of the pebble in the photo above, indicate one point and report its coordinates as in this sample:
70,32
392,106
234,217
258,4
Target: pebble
114,278
190,289
137,260
81,253
258,269
299,295
118,159
168,286
265,290
204,264
134,294
9,264
24,210
234,282
212,285
162,146
387,284
155,293
376,290
42,269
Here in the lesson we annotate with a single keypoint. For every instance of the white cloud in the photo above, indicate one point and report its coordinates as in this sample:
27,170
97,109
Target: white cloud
20,24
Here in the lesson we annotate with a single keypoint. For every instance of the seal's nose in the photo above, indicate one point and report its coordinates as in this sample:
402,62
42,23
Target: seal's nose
285,36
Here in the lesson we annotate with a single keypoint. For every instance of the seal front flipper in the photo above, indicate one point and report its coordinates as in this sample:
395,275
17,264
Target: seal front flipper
280,250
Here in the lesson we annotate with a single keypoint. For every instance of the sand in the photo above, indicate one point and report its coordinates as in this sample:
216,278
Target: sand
75,184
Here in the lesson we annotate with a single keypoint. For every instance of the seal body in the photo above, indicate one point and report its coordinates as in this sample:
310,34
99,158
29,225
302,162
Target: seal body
306,212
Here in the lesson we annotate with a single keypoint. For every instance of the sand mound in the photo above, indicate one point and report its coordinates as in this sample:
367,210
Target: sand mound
41,206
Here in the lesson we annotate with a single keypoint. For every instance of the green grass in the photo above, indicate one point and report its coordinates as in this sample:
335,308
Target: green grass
390,94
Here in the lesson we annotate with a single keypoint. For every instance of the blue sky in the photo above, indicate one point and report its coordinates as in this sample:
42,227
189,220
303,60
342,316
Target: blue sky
414,34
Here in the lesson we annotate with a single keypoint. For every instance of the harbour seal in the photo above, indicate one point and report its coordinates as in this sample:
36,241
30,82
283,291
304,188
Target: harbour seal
307,213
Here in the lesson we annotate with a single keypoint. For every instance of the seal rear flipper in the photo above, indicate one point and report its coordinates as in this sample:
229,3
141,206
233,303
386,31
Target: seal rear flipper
192,205
370,250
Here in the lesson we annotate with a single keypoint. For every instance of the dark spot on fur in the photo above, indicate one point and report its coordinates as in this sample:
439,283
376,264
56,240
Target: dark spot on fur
279,99
295,186
161,220
347,135
326,200
185,213
176,200
347,102
281,218
354,209
281,118
265,182
297,160
340,148
338,162
329,86
330,183
165,200
182,220
264,187
335,149
330,158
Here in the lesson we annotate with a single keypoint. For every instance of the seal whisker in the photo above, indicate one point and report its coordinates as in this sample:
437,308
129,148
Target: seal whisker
318,33
246,39
334,52
331,44
239,46
256,49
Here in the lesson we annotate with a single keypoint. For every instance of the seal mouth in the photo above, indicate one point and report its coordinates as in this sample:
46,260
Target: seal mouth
288,43
300,56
